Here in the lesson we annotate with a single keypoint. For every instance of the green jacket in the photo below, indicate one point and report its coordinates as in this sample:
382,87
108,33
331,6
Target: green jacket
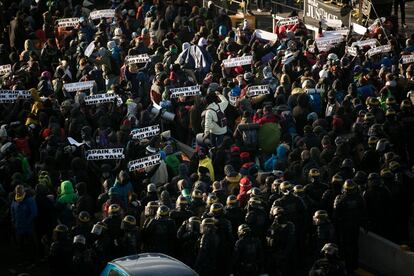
67,195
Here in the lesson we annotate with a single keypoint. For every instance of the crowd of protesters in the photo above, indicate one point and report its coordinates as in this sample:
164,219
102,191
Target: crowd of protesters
278,183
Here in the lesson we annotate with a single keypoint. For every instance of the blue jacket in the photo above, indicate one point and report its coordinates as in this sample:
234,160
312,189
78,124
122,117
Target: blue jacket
123,191
281,156
23,214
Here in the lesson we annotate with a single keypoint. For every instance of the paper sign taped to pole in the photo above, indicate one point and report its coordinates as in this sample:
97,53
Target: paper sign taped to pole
288,21
105,154
332,23
324,44
101,98
265,35
89,49
379,50
145,132
368,42
256,90
78,86
68,22
238,61
185,91
144,58
145,162
359,29
407,59
5,69
352,51
109,13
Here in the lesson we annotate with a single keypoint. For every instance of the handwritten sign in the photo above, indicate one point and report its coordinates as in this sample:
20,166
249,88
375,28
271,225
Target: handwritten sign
105,154
144,58
367,42
238,61
145,132
406,59
68,22
185,91
5,69
352,51
145,162
256,90
102,98
324,44
109,13
11,96
78,86
333,23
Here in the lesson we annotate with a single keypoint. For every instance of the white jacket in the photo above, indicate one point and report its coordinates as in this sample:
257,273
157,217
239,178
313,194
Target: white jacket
211,119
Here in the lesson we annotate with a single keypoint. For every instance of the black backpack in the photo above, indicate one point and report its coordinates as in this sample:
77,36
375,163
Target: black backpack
249,134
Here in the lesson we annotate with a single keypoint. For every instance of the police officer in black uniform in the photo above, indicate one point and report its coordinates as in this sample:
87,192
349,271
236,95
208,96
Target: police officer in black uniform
315,189
188,234
234,213
181,212
130,239
324,231
330,264
208,246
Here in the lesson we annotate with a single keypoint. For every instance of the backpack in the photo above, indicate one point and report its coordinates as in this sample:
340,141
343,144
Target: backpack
221,118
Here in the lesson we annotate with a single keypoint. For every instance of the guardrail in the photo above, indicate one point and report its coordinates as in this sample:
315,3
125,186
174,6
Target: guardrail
384,256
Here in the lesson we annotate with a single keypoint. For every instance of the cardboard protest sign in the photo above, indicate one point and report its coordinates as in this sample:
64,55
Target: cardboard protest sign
352,51
144,58
359,29
101,98
145,162
256,90
407,59
89,49
367,42
288,21
185,91
265,35
68,22
78,86
109,13
145,132
238,61
332,23
105,154
11,96
326,43
379,50
5,69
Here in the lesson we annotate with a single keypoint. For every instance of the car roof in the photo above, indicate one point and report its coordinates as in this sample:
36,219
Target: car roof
153,264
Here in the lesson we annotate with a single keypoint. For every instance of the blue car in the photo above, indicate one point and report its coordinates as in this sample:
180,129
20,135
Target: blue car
147,264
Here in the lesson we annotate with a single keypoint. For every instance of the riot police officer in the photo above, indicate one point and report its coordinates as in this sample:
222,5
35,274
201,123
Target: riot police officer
256,218
324,232
197,205
349,215
159,235
188,234
330,264
208,247
83,226
60,254
248,253
234,213
149,212
329,196
211,199
281,242
315,189
181,212
130,239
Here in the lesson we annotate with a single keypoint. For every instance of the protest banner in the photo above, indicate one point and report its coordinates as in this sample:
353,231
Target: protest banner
68,22
185,91
379,50
317,10
5,69
256,90
145,132
108,13
11,96
265,35
89,49
326,43
105,154
335,33
288,21
101,98
144,58
78,86
145,162
407,59
359,29
367,42
238,61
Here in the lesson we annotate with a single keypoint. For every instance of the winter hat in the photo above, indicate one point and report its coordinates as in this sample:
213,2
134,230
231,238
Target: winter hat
244,170
337,122
245,181
118,32
229,171
151,188
234,149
